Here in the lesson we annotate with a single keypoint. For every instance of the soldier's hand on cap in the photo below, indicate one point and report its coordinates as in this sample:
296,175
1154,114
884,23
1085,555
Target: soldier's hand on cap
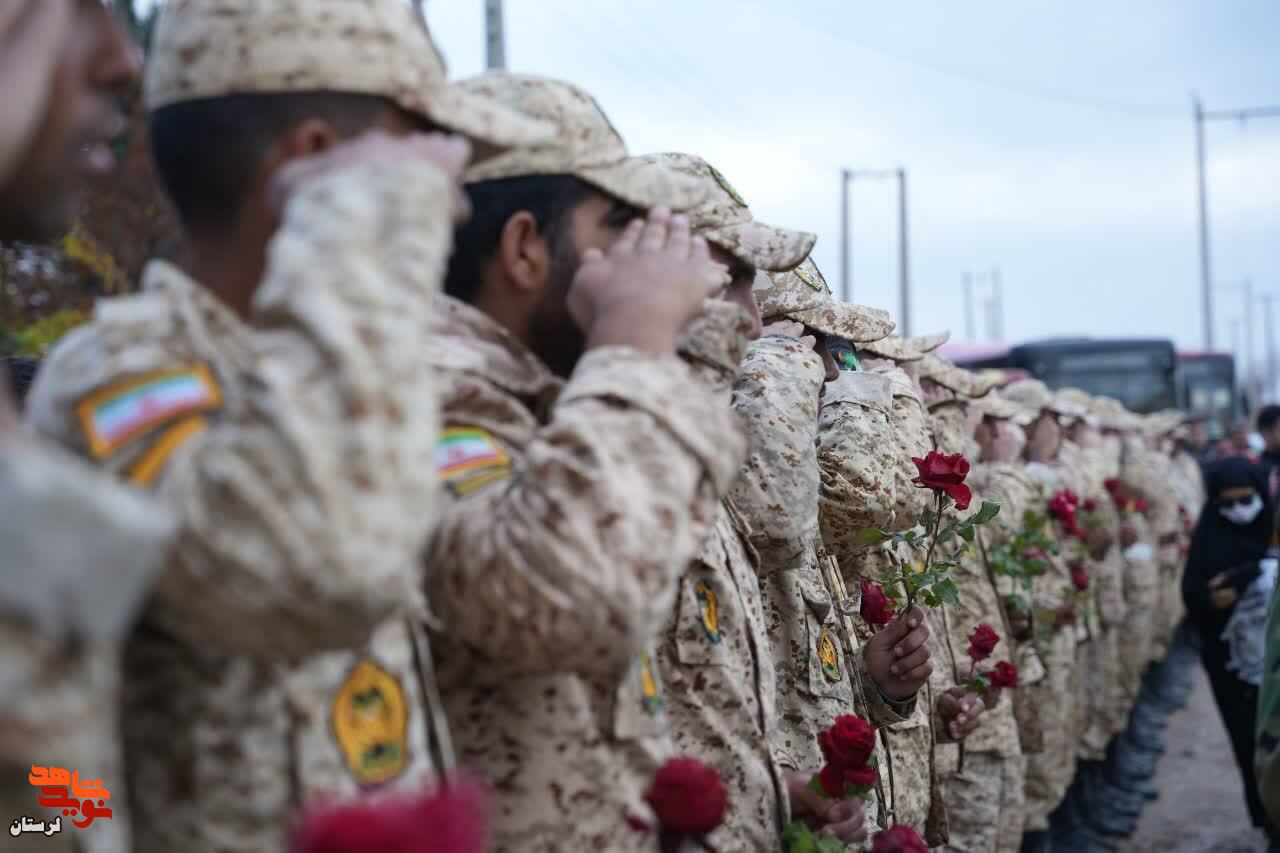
789,329
647,286
897,656
960,711
448,152
844,819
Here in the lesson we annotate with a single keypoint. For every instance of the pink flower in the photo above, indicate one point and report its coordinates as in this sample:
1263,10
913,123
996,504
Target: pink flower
447,820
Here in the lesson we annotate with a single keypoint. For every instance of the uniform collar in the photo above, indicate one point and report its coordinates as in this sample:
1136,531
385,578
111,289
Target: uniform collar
466,339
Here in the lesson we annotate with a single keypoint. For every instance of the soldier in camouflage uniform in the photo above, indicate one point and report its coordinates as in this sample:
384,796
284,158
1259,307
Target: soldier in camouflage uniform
280,407
80,549
779,388
908,781
584,463
715,656
1057,622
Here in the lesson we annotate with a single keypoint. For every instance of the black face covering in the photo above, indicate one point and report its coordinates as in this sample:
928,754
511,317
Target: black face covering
1218,545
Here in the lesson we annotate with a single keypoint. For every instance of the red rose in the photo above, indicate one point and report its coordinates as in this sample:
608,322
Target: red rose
1071,498
837,780
1080,580
898,839
982,642
1111,484
1004,675
944,474
876,609
1091,505
849,742
687,797
448,820
1141,505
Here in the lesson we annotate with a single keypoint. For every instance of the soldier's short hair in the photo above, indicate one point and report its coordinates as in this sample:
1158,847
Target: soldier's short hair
22,375
207,152
549,198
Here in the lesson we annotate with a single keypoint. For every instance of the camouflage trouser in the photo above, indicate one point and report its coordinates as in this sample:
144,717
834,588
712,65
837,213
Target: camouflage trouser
986,804
1049,771
1106,708
906,770
1142,594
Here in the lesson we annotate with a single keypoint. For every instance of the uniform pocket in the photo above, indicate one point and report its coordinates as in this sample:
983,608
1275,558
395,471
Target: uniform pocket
827,674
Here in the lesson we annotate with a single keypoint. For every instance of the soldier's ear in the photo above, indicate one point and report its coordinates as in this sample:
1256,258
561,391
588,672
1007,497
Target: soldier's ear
523,256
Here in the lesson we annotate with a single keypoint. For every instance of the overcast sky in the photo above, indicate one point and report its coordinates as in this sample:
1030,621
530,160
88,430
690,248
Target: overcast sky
1053,140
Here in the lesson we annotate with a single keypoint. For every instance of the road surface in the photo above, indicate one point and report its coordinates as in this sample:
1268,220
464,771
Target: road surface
1201,806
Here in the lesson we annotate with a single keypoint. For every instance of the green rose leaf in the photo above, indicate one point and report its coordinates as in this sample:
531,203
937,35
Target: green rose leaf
988,511
871,536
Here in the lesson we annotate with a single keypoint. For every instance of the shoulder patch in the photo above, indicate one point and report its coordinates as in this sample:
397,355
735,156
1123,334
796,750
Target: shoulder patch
469,458
710,610
828,656
116,414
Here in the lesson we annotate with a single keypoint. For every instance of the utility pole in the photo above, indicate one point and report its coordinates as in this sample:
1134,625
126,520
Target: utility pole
904,273
997,297
495,36
1201,115
1249,361
846,286
969,331
1206,295
1268,332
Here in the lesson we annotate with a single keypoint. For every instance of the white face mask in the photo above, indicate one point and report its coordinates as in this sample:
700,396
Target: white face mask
1242,513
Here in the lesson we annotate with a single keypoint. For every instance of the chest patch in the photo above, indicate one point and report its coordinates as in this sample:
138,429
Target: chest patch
370,720
709,608
116,414
650,696
828,656
469,458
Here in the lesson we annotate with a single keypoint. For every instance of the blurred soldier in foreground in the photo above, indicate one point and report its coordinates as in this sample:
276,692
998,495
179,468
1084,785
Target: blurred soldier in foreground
277,401
79,550
583,461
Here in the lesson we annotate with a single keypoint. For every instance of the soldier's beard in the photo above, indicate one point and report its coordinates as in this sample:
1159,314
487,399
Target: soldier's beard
553,334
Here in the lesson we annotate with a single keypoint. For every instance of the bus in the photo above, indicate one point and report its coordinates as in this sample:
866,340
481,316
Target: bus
1139,372
1207,385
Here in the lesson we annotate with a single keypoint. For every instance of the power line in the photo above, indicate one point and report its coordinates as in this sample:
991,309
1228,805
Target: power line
841,34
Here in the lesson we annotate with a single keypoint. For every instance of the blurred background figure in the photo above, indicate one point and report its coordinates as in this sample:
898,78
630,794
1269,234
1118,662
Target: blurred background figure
1227,584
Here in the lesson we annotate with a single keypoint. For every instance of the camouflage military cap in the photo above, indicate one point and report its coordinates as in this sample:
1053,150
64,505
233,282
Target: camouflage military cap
725,220
905,349
586,144
803,295
1112,414
215,48
1035,396
965,383
995,406
1163,423
1073,403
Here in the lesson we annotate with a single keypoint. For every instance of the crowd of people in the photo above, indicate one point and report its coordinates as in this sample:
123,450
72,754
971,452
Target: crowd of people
467,443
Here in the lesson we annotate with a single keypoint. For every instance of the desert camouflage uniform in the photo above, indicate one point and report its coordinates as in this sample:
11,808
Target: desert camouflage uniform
1049,770
777,393
714,655
303,479
907,781
984,798
557,565
1142,573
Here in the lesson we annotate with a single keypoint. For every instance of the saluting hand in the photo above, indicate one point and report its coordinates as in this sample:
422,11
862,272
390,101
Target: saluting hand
647,286
897,656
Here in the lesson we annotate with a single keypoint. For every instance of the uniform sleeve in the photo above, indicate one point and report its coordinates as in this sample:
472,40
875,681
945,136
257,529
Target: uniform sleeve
1267,751
855,459
776,393
911,439
571,559
1007,485
304,504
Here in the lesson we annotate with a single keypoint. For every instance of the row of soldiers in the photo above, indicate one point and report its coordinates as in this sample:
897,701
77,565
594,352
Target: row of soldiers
468,438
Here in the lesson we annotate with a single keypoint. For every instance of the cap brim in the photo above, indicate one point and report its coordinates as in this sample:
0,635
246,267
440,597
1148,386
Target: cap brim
959,380
763,246
492,125
646,184
909,349
855,323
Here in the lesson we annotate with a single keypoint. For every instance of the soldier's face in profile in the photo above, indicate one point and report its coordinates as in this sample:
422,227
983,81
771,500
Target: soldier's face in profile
96,66
595,223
